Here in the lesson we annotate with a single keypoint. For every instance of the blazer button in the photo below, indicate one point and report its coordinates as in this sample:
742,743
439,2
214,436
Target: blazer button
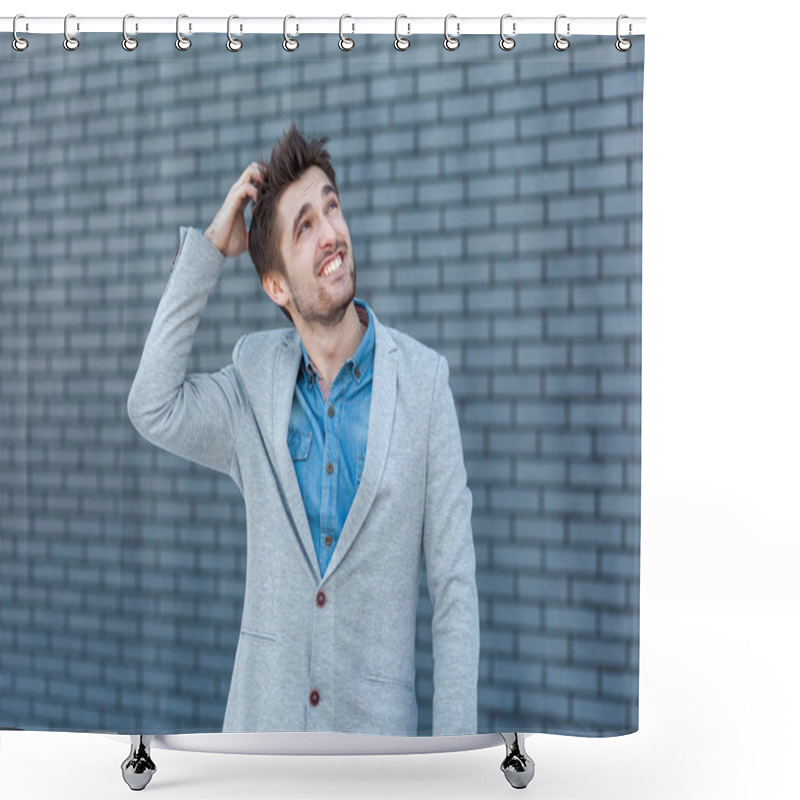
329,468
331,412
320,598
313,698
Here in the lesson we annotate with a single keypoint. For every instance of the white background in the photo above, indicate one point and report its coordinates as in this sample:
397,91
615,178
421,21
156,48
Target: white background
719,696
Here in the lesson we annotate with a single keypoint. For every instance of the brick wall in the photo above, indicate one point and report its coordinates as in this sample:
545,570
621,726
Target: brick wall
494,200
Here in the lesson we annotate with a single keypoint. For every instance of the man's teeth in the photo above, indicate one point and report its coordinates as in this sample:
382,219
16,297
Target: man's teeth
332,266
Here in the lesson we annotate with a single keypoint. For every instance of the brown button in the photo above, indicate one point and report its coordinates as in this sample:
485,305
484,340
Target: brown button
357,372
328,541
329,468
313,698
331,412
320,598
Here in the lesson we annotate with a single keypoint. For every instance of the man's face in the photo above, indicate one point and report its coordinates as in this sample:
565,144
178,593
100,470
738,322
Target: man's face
317,252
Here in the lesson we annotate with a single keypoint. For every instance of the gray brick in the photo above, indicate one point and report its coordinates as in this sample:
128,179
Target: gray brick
544,181
599,593
481,131
468,162
606,175
595,414
598,354
440,82
543,704
619,565
574,208
597,651
622,204
574,149
622,143
622,84
543,240
609,714
619,684
465,104
574,680
564,619
567,91
423,166
601,116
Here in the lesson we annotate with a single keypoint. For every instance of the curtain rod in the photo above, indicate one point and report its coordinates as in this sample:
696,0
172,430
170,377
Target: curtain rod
406,26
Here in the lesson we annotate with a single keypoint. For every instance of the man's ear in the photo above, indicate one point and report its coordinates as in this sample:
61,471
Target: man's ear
273,285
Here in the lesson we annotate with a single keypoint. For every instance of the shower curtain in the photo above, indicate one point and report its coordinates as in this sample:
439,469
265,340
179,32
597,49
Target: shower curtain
462,556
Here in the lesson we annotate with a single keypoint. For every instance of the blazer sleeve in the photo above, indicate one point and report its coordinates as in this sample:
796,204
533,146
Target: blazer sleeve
193,416
450,567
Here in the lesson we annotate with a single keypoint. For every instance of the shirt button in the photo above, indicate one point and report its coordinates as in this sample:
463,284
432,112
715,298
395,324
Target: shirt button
331,412
357,372
313,698
328,541
320,598
329,468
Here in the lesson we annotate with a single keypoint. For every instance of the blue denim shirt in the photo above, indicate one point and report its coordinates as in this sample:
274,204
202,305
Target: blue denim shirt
328,439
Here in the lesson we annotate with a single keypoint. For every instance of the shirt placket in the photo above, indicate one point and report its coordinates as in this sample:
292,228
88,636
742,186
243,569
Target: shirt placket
331,461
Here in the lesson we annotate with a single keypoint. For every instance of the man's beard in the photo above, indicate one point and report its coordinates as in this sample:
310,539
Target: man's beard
321,311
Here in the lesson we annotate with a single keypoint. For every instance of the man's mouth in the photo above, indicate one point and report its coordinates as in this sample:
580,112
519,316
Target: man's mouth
332,265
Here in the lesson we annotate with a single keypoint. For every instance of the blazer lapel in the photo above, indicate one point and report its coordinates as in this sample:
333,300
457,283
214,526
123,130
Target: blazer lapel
379,433
284,381
270,375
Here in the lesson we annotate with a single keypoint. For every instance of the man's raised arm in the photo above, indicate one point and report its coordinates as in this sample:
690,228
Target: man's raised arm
193,416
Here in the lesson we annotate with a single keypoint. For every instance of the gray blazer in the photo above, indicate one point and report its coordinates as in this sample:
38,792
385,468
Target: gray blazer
332,653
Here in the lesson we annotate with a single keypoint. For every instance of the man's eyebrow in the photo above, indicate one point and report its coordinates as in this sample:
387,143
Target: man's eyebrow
326,190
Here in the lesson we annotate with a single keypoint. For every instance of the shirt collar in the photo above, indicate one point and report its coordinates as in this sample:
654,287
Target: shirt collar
361,360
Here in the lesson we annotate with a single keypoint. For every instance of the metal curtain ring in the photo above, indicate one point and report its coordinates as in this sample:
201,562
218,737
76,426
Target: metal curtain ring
344,42
233,44
400,42
506,42
561,43
181,42
128,42
451,42
19,44
621,44
70,42
289,44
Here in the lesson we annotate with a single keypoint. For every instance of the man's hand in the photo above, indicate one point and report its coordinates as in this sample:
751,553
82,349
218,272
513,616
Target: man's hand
227,232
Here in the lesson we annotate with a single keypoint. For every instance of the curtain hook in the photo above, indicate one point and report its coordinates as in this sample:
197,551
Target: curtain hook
128,42
233,44
345,43
623,44
561,43
289,44
181,42
506,42
19,44
451,42
70,42
400,42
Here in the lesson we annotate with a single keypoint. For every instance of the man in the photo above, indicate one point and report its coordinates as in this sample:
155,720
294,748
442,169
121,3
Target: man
343,438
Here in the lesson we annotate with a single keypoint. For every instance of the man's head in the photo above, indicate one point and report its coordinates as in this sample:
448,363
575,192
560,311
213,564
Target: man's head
298,232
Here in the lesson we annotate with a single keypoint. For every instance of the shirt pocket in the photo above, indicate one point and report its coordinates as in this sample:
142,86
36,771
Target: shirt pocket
299,444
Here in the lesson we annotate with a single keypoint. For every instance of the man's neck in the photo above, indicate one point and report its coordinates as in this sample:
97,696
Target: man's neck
330,347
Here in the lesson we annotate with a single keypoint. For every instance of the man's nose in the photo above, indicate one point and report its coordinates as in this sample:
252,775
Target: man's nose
327,233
